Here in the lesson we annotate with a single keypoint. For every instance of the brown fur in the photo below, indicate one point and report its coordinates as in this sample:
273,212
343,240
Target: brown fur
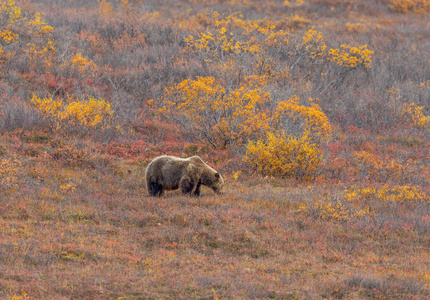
166,173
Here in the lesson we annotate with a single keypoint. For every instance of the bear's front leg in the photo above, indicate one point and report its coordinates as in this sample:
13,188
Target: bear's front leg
186,185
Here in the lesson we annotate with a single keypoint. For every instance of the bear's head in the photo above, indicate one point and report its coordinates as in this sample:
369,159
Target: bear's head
217,183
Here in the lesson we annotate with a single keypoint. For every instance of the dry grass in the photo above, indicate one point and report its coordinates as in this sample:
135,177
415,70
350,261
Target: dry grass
77,232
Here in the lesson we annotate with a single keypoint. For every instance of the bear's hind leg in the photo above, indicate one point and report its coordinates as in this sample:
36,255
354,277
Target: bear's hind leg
186,185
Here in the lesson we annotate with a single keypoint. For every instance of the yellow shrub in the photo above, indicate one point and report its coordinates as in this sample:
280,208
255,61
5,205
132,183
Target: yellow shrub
221,43
89,113
313,43
414,114
338,211
296,154
16,295
296,21
215,45
213,114
9,14
48,106
39,27
267,36
106,8
68,188
401,193
351,57
40,54
294,3
82,63
8,36
314,124
40,49
9,169
283,156
416,6
314,48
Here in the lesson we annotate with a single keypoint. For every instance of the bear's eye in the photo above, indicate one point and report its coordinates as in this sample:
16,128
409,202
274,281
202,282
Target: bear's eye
217,175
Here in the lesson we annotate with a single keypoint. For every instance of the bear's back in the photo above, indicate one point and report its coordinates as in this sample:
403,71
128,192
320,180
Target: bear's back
172,168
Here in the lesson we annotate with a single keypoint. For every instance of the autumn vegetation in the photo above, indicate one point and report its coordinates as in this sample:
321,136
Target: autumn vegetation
316,113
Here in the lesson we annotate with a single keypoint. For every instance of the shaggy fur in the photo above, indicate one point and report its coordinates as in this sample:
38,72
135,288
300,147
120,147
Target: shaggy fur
166,173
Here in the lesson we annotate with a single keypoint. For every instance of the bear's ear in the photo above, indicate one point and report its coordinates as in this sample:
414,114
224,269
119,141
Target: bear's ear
217,175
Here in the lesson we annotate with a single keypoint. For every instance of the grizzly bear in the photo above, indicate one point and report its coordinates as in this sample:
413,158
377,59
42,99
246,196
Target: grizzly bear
167,173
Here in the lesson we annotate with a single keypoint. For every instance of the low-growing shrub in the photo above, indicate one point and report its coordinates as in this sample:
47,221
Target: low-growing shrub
406,6
282,156
401,193
72,115
9,169
293,151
